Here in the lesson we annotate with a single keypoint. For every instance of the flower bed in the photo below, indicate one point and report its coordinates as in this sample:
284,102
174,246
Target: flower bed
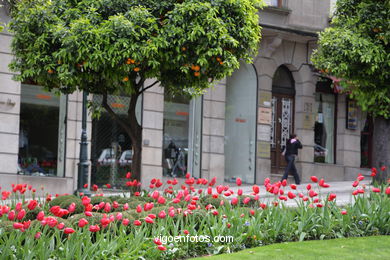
193,219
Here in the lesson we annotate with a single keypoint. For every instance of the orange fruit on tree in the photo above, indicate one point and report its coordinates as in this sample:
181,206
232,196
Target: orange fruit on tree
50,71
125,79
195,67
136,69
183,48
196,73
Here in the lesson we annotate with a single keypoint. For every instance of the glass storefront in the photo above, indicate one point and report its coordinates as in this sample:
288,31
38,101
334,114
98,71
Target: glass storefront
111,148
176,133
324,128
240,125
42,132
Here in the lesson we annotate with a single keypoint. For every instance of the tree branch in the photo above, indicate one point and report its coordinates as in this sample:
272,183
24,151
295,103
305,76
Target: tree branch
148,87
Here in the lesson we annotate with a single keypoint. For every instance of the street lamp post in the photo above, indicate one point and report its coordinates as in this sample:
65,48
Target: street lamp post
83,164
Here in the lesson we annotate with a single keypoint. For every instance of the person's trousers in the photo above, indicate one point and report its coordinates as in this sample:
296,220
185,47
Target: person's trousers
290,159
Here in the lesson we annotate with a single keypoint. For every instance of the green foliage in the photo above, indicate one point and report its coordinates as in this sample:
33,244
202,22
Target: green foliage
103,46
60,199
356,49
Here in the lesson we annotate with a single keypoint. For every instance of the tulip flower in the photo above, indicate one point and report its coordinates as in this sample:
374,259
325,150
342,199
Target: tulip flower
149,220
128,175
293,186
234,201
387,191
32,204
157,241
239,192
37,235
215,212
11,215
255,189
18,225
314,179
162,214
383,168
126,206
238,181
125,222
82,222
246,200
21,214
94,228
186,232
138,209
343,212
312,193
107,207
291,195
161,248
72,207
308,187
262,205
69,230
252,212
118,216
284,183
376,190
161,200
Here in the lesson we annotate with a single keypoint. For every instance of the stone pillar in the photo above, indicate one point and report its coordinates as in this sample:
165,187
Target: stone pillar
348,141
213,132
152,133
9,109
73,137
305,85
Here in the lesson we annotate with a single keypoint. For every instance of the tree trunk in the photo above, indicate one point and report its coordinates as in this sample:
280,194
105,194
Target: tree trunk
136,138
381,148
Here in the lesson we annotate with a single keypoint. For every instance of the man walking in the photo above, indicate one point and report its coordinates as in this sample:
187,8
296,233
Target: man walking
290,153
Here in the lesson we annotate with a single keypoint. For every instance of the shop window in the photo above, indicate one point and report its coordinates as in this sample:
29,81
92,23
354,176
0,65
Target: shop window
366,143
276,3
176,133
111,147
42,132
324,128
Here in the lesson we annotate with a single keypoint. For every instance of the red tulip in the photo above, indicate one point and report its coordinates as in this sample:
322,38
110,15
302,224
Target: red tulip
312,193
325,185
107,207
314,179
161,200
21,214
18,225
115,205
128,175
126,206
291,195
82,222
88,213
176,200
284,183
108,185
161,248
238,181
255,189
69,230
171,213
149,220
157,241
94,228
215,212
162,214
85,185
95,187
383,168
293,186
316,200
308,187
18,206
32,204
321,182
387,191
228,225
37,235
355,192
234,201
155,194
186,232
246,200
86,200
152,216
252,212
376,190
360,178
355,183
125,222
11,215
72,207
319,205
331,197
239,192
343,212
263,205
138,209
283,198
118,216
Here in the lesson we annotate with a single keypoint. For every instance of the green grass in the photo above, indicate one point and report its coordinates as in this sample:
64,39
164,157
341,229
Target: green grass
375,247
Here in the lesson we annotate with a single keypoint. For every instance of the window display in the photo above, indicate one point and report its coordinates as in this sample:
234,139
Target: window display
40,130
324,128
176,132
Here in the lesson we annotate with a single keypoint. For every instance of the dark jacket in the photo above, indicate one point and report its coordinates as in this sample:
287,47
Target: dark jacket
292,148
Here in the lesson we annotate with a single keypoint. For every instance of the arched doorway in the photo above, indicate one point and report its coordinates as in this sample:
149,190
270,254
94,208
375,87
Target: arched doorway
240,125
283,103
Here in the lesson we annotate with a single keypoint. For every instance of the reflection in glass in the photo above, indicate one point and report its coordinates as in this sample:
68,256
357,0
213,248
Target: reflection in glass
38,137
324,128
176,132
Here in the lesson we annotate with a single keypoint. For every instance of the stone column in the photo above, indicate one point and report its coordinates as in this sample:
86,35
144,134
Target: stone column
152,133
213,132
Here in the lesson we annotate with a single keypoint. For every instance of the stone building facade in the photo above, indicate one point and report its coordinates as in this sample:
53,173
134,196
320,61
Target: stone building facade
236,129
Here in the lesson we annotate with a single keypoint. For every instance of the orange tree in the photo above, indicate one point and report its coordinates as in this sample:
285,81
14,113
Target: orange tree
356,49
113,46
